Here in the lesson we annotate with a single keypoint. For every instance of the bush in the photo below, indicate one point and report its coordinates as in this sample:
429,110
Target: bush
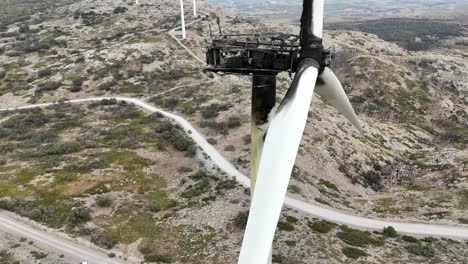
292,219
230,148
154,207
240,221
353,253
104,201
103,241
329,185
233,122
390,232
285,226
226,185
44,72
321,226
39,255
6,204
48,86
80,216
42,213
106,86
76,89
177,137
120,10
357,238
213,110
410,239
111,101
420,250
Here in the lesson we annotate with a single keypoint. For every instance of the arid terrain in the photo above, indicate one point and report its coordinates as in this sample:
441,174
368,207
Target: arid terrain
130,182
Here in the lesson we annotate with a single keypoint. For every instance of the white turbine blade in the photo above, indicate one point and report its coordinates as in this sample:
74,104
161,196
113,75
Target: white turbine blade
276,165
318,9
182,18
332,92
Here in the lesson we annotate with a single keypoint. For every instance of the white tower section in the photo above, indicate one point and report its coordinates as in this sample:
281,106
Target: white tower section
137,2
194,8
182,17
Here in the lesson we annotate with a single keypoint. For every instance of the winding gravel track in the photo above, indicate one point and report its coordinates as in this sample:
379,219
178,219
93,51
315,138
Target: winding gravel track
314,210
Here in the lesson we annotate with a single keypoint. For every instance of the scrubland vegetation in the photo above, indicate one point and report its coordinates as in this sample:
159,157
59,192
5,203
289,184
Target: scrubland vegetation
412,34
62,166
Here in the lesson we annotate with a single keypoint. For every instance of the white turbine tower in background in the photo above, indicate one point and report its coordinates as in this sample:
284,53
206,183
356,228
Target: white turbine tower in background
137,2
194,8
182,18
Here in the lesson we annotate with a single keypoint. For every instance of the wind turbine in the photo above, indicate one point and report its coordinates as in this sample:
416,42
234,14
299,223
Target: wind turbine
137,2
194,8
182,18
276,136
285,132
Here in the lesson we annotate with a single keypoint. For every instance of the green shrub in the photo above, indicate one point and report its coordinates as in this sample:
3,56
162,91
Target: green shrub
197,190
410,239
39,255
226,185
213,110
285,226
103,240
292,219
358,238
154,207
429,239
390,232
80,216
48,86
104,201
421,250
290,243
329,185
321,226
240,221
233,122
6,204
353,253
230,148
120,10
175,135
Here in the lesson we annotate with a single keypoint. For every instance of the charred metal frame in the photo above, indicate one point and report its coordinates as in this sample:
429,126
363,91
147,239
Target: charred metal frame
268,53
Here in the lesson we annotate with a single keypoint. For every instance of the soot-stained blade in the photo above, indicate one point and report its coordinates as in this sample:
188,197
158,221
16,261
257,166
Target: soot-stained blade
276,165
332,92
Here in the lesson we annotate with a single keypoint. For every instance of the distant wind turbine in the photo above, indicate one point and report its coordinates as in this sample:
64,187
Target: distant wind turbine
182,18
194,8
137,2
